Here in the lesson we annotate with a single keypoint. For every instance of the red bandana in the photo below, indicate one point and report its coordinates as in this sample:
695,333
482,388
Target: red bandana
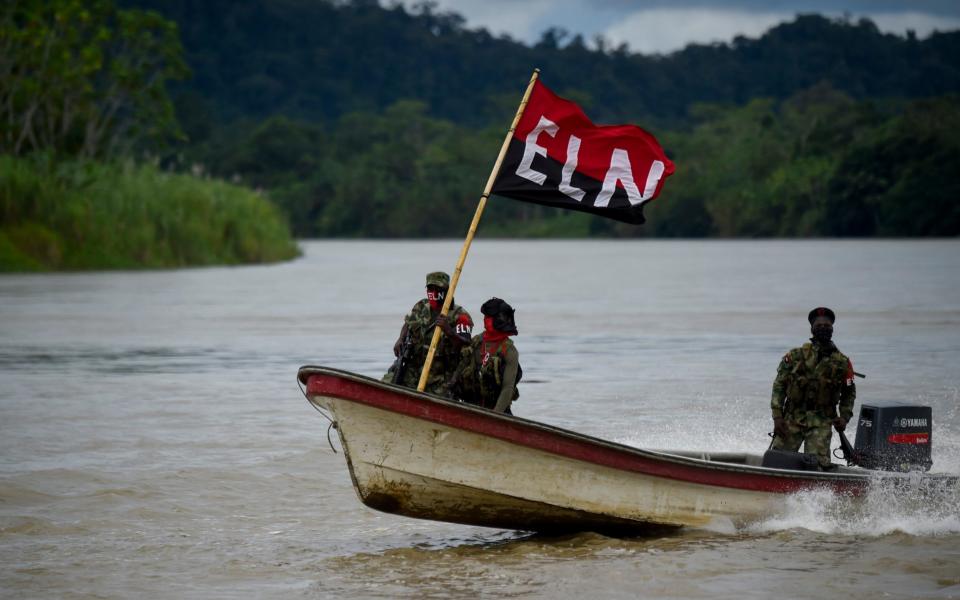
491,335
435,299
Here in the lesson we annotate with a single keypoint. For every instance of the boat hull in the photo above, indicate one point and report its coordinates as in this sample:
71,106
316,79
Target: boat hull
421,456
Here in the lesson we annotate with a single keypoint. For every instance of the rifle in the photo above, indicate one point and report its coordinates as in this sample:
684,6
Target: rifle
846,449
402,363
783,410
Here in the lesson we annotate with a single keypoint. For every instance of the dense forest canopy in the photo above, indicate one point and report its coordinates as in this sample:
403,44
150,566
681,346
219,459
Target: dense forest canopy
317,60
364,120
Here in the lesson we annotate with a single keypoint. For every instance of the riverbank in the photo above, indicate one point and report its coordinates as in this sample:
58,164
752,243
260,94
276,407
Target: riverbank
79,215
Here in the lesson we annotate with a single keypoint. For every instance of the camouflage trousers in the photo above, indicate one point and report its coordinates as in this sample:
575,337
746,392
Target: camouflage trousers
815,439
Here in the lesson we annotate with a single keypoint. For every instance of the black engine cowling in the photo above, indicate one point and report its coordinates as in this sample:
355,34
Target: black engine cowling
894,437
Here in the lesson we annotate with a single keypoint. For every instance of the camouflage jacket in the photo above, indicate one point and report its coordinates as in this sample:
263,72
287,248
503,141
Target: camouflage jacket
810,386
420,323
488,373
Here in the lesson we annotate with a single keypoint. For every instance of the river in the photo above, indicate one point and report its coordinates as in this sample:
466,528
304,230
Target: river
154,442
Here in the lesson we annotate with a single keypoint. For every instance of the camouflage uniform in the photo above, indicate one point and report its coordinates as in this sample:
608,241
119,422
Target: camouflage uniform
419,326
806,394
488,374
445,360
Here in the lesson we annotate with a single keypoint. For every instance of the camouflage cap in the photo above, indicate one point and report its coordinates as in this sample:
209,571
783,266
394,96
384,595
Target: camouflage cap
821,311
439,279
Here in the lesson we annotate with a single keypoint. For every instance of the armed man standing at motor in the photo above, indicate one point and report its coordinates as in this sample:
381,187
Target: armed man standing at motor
415,336
812,383
490,366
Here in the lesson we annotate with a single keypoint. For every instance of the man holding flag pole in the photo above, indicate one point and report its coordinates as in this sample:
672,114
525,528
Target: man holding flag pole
555,156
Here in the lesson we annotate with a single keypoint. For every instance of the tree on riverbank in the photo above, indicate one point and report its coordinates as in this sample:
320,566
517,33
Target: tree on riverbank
81,78
82,90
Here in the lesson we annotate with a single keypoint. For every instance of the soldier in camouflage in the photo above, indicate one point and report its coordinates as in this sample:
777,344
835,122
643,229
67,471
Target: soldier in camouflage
812,383
490,366
417,330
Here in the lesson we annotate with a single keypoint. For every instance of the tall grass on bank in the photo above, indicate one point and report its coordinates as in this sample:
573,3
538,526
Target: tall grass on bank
69,215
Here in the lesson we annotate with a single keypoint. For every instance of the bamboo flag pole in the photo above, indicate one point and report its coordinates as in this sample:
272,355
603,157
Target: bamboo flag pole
424,375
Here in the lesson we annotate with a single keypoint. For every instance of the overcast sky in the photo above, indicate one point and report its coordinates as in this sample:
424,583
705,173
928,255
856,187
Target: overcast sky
650,26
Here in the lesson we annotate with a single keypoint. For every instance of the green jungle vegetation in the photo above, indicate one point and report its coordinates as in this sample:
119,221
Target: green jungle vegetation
316,60
82,89
816,164
361,120
82,214
119,126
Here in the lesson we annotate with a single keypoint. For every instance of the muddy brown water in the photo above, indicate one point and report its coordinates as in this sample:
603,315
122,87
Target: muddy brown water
153,442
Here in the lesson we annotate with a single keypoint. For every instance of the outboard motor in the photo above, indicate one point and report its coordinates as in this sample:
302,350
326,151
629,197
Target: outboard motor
894,437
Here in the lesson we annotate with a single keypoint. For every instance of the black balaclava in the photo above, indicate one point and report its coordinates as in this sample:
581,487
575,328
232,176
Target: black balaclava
822,332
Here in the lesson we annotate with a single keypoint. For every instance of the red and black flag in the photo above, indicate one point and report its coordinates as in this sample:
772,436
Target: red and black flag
558,157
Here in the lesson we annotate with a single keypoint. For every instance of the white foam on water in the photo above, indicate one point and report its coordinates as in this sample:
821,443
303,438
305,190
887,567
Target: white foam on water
915,508
740,426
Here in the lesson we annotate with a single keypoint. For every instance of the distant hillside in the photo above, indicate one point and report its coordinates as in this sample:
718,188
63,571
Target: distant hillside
317,60
363,121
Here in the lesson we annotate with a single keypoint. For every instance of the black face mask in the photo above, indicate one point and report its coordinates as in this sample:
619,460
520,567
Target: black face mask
504,322
823,333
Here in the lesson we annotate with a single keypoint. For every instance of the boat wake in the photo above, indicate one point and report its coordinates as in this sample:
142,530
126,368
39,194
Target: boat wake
886,509
918,510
